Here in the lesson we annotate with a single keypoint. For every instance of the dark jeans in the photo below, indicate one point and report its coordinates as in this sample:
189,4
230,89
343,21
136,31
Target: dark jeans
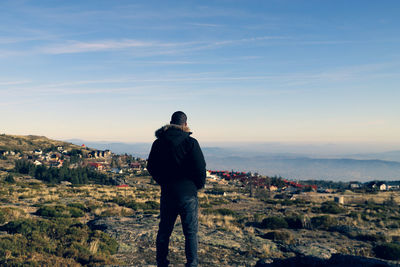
187,208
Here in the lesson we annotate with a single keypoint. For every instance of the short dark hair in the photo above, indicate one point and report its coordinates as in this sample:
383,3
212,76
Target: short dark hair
178,118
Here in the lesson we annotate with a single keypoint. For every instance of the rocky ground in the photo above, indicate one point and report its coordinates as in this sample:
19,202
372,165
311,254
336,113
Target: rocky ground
234,229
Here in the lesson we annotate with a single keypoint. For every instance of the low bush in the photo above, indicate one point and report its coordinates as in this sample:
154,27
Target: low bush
387,251
59,211
10,213
394,225
58,237
223,212
270,201
3,217
280,235
332,208
323,222
274,223
79,206
295,222
372,237
130,203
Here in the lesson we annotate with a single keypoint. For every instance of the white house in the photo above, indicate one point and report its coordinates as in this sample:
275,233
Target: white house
383,187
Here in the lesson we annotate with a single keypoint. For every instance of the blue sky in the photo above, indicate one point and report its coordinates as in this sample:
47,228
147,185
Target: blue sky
247,71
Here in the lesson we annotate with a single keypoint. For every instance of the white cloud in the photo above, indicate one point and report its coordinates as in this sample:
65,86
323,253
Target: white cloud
2,83
81,47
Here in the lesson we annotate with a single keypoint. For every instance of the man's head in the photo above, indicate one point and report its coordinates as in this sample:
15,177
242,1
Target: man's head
179,118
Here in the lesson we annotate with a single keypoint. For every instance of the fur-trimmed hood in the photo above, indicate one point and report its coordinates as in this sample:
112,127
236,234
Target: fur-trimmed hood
163,129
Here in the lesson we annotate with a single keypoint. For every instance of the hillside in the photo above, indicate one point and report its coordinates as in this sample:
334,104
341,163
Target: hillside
30,143
56,161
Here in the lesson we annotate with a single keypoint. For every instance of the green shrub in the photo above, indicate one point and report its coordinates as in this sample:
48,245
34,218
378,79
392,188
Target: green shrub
331,207
10,213
151,205
394,225
372,237
59,211
75,212
226,212
3,216
61,237
295,222
23,227
108,245
16,244
316,210
323,222
274,223
53,211
79,206
223,212
354,215
280,235
388,251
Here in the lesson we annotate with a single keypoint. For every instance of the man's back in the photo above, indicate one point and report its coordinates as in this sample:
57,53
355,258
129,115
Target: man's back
178,166
176,161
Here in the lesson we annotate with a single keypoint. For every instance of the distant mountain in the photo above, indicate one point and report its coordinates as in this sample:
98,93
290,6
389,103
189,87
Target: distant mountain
390,156
309,168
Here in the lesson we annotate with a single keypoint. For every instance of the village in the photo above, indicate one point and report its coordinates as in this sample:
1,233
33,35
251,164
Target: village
103,161
279,184
124,166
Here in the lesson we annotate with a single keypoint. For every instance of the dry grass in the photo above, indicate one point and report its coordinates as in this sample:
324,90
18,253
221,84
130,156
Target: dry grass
113,209
270,251
225,223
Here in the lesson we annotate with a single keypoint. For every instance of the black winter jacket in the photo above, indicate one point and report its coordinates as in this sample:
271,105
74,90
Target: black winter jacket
176,161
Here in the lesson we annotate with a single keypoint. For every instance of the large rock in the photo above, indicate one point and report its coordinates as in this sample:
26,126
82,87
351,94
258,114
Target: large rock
313,250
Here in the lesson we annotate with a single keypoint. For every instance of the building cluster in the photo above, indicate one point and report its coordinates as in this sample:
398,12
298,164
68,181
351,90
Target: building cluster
255,180
245,179
51,158
99,154
105,161
376,185
99,160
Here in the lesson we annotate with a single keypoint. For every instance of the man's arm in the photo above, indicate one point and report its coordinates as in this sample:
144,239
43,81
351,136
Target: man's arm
198,165
153,162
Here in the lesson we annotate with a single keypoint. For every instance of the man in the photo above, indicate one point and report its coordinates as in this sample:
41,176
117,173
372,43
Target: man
177,165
